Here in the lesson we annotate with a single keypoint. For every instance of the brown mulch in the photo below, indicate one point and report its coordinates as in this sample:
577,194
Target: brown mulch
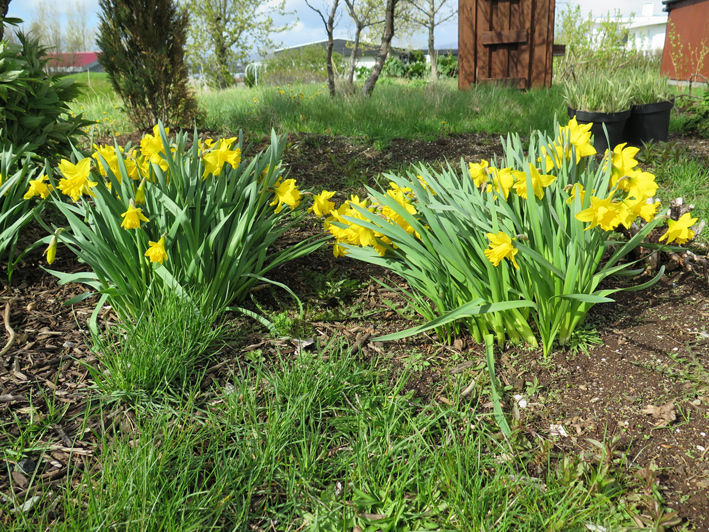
646,388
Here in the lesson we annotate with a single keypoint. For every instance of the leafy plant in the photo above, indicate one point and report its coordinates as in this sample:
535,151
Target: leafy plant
499,246
143,49
34,106
169,217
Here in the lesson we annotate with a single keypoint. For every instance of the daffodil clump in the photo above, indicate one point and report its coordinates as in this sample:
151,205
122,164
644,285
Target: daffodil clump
506,244
168,216
20,179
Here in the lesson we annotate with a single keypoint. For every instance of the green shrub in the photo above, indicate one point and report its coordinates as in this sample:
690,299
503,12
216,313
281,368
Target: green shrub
34,106
169,217
697,117
394,67
143,45
448,66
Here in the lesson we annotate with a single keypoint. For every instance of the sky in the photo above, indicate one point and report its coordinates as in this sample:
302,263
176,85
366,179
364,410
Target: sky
309,27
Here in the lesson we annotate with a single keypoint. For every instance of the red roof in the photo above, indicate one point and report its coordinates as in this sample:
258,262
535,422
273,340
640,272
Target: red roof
71,59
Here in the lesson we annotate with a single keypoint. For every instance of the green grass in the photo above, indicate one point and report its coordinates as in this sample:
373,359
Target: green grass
395,110
679,175
323,442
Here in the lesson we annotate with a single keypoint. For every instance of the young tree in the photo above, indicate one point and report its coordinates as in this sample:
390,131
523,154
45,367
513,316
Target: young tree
387,35
329,28
143,53
430,14
365,14
225,32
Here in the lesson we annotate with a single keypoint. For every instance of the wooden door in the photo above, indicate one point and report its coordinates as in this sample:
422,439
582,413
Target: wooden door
505,41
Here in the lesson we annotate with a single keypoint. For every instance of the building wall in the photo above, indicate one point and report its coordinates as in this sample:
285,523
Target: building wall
686,41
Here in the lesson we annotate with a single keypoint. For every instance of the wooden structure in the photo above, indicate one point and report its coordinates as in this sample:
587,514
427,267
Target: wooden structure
505,41
686,52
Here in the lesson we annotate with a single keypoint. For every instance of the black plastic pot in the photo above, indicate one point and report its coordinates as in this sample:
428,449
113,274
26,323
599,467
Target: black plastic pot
614,124
649,122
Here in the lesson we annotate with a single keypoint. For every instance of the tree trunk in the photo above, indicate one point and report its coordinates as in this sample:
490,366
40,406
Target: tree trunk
330,26
387,35
353,57
4,5
432,47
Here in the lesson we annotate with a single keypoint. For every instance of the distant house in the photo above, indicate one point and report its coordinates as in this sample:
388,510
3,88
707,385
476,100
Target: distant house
686,53
646,32
367,53
74,62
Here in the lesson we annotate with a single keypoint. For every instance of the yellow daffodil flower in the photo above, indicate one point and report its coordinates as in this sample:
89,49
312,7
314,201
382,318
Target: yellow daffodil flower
577,189
322,206
679,230
602,212
645,208
401,198
214,160
37,187
478,172
578,136
132,217
640,185
552,156
76,178
109,155
539,182
502,180
500,248
152,148
156,251
622,162
286,194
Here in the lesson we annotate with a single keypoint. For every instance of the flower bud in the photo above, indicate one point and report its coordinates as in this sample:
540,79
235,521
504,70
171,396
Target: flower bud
51,251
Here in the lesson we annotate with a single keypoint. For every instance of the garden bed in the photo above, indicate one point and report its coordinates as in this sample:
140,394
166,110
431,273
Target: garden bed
643,393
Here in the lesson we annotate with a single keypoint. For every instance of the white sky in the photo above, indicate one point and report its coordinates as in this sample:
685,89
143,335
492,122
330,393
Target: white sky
310,28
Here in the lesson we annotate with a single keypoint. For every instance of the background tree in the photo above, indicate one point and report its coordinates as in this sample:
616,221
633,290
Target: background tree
329,29
387,35
430,14
76,36
365,14
46,28
223,33
143,53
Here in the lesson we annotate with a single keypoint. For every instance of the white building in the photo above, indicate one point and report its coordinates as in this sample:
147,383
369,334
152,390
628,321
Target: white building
647,31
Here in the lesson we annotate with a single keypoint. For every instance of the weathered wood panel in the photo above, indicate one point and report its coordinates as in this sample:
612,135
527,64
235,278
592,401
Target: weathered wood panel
506,40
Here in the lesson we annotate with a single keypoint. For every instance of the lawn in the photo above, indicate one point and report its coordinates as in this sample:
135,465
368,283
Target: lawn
301,420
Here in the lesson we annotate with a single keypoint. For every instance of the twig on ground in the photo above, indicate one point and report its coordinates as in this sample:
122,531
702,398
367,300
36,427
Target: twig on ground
9,329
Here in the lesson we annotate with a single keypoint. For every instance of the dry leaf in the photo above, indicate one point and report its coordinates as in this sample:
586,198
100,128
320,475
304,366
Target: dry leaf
664,415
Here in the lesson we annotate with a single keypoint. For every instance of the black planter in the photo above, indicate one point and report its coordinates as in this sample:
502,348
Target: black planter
614,124
648,122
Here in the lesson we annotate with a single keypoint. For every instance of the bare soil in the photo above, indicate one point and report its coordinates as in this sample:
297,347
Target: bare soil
644,391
